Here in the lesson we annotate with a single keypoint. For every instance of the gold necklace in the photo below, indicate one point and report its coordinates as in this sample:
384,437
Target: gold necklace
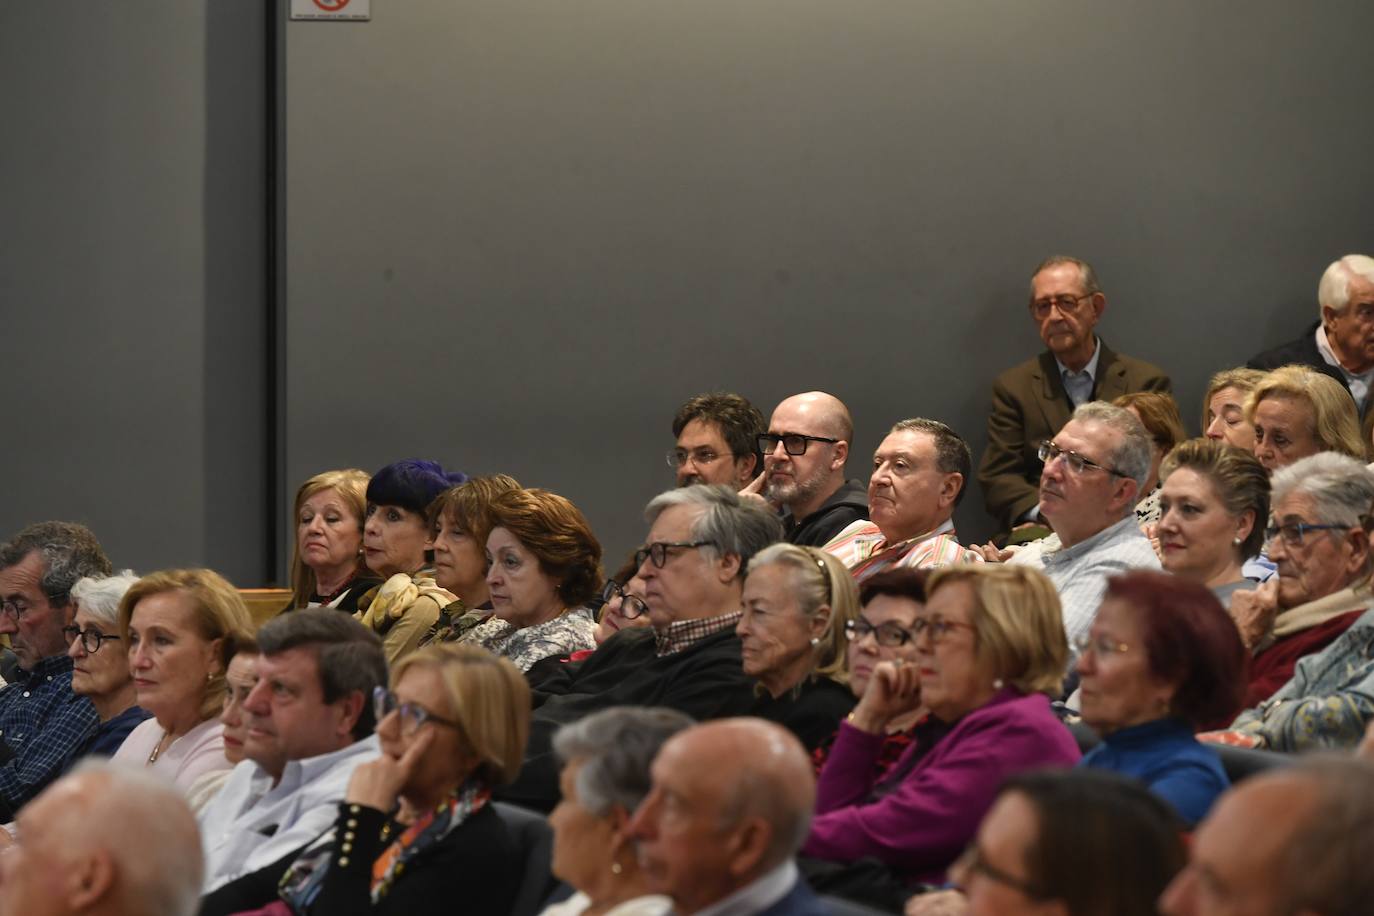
157,749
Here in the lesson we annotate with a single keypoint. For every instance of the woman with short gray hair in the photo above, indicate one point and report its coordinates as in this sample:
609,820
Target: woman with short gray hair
100,662
605,759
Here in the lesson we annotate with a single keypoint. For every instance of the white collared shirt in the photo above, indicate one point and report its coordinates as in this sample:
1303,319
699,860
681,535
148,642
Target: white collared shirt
756,896
1358,384
1079,385
251,823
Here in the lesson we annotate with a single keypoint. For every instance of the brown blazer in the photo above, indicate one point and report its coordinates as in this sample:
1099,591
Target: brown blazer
1029,405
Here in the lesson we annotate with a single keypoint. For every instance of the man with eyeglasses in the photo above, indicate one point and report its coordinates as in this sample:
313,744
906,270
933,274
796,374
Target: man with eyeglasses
1092,474
310,721
43,724
717,437
1033,401
804,455
692,565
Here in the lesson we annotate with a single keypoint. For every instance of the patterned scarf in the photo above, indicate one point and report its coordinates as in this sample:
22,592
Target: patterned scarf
384,605
424,833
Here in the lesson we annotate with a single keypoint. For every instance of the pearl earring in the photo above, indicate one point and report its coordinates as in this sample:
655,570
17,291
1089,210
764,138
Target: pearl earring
998,684
615,868
815,641
1235,541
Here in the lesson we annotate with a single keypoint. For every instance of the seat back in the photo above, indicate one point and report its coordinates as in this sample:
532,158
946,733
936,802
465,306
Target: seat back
534,838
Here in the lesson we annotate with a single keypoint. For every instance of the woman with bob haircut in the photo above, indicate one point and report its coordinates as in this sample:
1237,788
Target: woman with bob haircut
180,627
797,603
1214,506
459,521
1223,407
1162,661
544,570
416,825
327,568
990,652
1297,412
396,537
1075,843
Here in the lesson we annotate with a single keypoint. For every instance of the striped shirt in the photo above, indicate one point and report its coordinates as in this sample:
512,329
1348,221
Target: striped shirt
863,549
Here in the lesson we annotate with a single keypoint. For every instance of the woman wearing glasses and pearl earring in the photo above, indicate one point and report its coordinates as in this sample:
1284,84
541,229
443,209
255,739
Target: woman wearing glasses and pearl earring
100,666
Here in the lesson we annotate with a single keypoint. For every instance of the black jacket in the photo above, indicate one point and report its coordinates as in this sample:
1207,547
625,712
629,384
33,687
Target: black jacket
845,506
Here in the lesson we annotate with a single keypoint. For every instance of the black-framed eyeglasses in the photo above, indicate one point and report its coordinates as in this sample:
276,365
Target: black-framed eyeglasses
384,703
1101,646
15,610
630,606
702,456
1293,532
91,640
1067,305
890,635
1076,462
658,551
972,861
792,443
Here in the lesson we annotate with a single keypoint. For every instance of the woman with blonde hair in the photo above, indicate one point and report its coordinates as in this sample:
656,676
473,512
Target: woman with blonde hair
1223,407
327,568
180,628
1297,412
797,603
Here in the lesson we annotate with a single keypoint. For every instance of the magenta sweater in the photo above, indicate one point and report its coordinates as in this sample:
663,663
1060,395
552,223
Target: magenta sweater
920,826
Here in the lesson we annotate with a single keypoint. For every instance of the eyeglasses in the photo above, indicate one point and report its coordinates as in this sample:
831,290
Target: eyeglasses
630,606
974,862
15,610
699,456
1293,532
658,551
90,639
885,634
1066,304
1102,646
792,443
384,703
1076,462
938,627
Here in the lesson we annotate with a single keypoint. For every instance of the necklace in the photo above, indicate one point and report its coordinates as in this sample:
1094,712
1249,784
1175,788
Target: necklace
157,749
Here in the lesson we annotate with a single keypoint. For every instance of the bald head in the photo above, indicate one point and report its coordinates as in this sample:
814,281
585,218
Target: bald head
810,435
825,411
731,800
105,840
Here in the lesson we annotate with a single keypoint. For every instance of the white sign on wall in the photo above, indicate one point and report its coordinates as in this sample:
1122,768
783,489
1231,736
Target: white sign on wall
334,10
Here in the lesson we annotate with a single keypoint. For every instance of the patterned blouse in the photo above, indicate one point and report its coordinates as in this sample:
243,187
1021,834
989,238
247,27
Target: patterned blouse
560,636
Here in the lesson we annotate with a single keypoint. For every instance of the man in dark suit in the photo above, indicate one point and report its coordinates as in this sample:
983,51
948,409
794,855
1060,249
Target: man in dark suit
1033,401
1340,343
730,805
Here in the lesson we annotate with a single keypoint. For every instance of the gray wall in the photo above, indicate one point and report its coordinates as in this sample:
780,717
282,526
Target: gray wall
520,233
131,254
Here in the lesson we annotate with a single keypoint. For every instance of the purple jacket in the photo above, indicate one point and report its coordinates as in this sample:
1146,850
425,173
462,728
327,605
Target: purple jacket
922,825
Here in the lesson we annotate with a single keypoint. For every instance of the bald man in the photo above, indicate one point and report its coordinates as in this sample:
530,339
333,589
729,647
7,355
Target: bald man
804,453
104,841
1293,840
730,806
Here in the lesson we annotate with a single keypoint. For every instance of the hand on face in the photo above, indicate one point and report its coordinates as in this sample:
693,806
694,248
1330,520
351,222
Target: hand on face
378,783
893,690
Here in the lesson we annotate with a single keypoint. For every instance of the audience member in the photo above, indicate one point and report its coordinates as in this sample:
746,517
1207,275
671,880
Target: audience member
239,680
1076,843
1223,407
545,567
1324,563
42,723
327,568
104,841
1032,401
180,627
1157,411
919,472
1295,840
1162,661
797,603
310,723
1094,469
459,521
1298,412
103,677
700,542
1340,345
728,808
1214,505
624,605
804,454
717,441
605,761
396,537
416,826
990,647
884,631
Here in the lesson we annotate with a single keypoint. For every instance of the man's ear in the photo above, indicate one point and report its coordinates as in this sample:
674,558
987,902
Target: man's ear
841,455
1128,493
89,880
728,567
350,709
748,845
746,469
1329,315
949,488
1099,304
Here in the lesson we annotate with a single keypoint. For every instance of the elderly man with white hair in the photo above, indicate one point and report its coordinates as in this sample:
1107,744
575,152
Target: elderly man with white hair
1341,342
104,841
100,661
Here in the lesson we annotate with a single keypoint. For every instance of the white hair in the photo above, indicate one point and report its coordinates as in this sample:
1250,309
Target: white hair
1334,289
99,596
